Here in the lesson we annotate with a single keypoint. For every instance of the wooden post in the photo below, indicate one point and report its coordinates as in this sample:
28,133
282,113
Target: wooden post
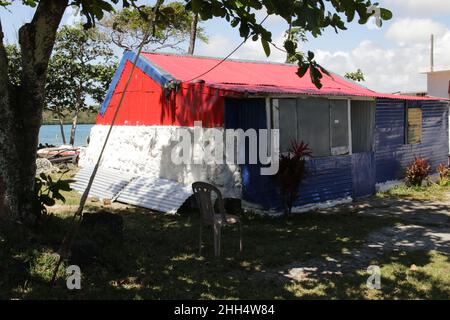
432,53
350,140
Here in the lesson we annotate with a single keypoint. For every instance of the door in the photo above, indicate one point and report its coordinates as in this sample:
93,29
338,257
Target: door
248,114
363,171
363,157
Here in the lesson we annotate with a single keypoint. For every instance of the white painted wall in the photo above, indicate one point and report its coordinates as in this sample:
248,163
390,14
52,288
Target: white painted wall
438,83
146,151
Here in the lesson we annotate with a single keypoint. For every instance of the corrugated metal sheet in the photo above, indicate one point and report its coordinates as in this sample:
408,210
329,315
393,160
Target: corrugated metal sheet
241,76
327,179
392,155
156,74
156,194
363,168
107,183
151,193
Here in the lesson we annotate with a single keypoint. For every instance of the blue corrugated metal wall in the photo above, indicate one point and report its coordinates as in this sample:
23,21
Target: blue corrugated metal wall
392,155
364,174
327,179
331,178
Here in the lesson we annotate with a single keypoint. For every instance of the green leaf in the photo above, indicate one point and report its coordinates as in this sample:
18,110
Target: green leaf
302,70
64,185
290,46
386,14
325,71
266,46
196,5
47,201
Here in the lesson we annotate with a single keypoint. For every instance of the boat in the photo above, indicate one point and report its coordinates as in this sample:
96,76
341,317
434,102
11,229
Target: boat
63,153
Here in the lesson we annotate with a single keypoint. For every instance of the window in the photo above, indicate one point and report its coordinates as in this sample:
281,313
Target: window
339,127
363,123
413,125
321,123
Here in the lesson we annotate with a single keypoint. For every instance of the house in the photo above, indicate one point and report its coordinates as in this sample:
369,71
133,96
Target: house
438,83
360,139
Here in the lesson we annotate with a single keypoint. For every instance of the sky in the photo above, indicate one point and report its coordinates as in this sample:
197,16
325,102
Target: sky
392,58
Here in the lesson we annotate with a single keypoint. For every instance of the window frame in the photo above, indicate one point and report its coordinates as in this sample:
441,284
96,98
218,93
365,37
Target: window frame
407,125
273,120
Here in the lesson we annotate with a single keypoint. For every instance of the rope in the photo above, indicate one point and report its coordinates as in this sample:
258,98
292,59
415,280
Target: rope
67,242
227,57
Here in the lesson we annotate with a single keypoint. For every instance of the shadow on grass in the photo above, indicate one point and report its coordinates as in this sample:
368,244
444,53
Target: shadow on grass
428,280
158,259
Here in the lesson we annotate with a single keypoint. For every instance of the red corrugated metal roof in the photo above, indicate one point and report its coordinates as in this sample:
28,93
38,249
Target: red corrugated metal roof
259,77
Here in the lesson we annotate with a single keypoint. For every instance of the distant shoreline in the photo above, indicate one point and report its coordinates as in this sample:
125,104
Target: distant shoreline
84,117
53,123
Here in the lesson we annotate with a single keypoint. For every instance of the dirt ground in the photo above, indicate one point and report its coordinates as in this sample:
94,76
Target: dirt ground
423,226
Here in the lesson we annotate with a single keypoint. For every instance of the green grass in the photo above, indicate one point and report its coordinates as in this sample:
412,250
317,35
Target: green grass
72,198
157,259
434,192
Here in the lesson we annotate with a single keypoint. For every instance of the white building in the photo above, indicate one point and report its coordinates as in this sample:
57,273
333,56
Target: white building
438,83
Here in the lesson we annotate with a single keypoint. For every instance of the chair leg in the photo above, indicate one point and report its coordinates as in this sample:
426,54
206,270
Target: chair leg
217,240
200,240
240,237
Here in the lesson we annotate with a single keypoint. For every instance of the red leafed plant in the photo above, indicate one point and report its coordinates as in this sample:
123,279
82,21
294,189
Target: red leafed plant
444,173
291,173
417,172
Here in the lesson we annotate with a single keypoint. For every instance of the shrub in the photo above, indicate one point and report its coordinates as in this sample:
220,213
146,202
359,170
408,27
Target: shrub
417,172
444,174
291,173
47,191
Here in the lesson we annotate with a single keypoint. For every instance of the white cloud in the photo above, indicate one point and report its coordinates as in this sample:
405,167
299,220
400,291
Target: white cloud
408,30
389,70
220,46
386,69
372,24
73,16
419,6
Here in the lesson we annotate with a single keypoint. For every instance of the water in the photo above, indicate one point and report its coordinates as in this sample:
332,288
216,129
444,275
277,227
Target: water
51,134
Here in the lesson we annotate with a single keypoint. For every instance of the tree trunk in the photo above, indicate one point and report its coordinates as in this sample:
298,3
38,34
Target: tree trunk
193,37
79,104
9,160
61,126
74,128
3,211
21,108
